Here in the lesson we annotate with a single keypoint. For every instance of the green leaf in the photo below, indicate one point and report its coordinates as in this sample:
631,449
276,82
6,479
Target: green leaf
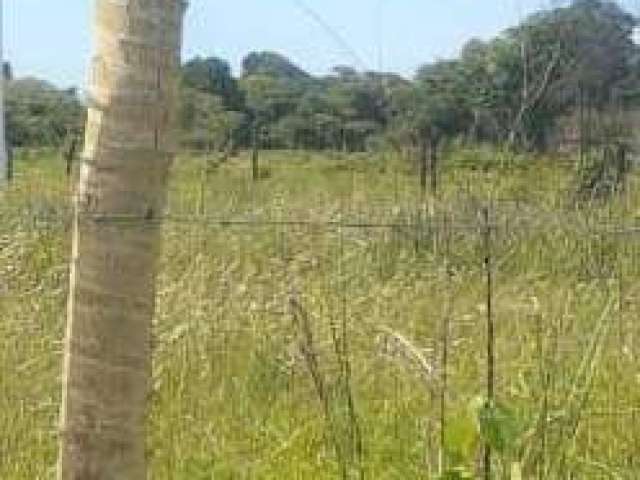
498,427
461,437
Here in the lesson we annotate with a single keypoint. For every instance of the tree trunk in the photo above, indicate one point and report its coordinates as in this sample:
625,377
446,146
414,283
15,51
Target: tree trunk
530,99
129,146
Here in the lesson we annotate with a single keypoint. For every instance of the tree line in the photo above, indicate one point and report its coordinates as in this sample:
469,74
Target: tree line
512,89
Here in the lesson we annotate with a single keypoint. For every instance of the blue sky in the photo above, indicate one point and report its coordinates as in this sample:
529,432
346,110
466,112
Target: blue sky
52,38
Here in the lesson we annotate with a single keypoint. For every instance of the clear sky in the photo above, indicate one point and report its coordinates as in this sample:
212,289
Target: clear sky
52,38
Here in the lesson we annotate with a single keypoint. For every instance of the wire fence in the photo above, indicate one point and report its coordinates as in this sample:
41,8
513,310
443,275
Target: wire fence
331,320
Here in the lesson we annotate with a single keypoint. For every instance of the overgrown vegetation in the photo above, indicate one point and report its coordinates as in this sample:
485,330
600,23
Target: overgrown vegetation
330,321
321,314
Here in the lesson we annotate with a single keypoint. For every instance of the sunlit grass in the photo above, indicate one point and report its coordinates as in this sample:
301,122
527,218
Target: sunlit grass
236,394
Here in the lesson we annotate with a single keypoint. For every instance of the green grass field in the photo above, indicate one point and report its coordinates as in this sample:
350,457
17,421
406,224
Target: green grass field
329,321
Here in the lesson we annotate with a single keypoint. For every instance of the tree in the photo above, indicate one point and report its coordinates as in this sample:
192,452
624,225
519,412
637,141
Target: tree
268,98
274,65
311,125
212,75
514,87
39,114
585,47
205,123
129,143
360,101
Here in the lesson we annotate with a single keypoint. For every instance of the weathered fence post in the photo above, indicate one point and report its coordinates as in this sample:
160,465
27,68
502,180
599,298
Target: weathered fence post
490,386
69,154
433,164
423,165
255,153
128,150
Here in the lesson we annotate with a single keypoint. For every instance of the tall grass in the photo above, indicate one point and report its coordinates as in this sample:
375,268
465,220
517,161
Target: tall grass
351,341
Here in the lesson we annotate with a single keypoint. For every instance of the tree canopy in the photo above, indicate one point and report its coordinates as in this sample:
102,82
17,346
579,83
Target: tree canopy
509,89
39,114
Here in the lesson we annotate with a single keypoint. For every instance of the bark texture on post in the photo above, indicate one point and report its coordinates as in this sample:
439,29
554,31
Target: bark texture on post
128,149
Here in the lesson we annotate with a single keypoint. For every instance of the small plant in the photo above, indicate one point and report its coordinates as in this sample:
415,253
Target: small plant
604,176
482,422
